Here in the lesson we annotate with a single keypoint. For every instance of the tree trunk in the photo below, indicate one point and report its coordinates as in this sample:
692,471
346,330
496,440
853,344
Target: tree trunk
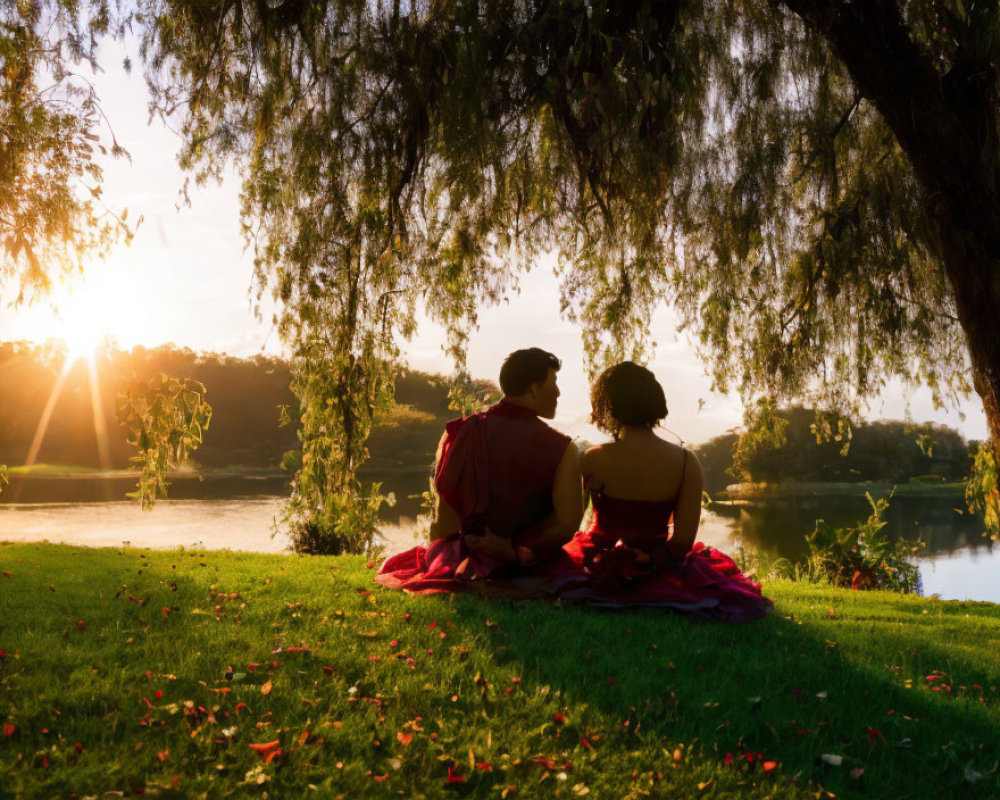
947,126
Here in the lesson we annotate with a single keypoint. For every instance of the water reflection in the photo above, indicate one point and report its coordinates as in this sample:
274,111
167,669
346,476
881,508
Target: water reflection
778,527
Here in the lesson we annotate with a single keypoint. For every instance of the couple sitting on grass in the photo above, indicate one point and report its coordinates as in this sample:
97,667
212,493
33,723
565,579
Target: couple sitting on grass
510,501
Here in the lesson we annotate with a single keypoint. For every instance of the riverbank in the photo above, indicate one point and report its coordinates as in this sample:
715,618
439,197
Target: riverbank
793,489
182,672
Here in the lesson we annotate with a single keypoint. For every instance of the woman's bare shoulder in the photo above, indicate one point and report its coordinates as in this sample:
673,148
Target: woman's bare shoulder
593,456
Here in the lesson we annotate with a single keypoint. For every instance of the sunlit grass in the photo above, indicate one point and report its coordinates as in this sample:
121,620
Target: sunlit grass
51,469
144,658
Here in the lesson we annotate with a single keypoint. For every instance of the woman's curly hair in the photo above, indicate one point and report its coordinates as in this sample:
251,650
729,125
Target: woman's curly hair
626,394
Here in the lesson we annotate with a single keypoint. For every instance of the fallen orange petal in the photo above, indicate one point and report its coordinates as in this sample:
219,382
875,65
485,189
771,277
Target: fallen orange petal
404,738
271,755
266,688
265,747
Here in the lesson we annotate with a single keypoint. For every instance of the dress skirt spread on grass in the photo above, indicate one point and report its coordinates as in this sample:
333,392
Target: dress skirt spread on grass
606,565
621,561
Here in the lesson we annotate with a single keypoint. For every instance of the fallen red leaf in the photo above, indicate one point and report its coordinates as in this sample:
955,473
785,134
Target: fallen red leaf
225,690
559,718
296,649
80,624
874,734
8,575
158,694
242,705
453,778
485,766
328,670
78,747
404,738
163,755
769,765
265,747
380,778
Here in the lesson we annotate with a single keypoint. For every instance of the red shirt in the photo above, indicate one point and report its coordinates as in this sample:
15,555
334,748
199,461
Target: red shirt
497,468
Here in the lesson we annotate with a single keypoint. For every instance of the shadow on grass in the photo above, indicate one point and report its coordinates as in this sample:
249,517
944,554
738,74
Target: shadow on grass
793,687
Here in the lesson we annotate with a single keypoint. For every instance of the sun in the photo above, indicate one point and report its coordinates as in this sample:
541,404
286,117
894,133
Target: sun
89,310
83,329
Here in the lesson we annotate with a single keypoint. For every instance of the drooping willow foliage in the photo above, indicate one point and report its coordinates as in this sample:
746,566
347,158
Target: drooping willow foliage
714,154
51,134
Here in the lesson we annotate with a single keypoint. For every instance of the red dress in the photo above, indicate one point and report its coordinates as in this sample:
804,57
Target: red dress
609,568
496,470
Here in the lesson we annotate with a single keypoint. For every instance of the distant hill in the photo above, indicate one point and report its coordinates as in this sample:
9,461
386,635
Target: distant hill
245,394
885,451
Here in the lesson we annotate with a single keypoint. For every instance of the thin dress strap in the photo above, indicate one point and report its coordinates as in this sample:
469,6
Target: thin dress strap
683,470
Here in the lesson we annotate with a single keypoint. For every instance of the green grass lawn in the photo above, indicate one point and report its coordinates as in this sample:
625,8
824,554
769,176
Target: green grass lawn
216,674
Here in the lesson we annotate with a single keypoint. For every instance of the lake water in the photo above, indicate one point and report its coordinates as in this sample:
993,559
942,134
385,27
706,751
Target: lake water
957,562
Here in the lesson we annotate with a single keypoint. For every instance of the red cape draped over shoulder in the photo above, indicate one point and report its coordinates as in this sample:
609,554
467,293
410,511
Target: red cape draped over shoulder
495,469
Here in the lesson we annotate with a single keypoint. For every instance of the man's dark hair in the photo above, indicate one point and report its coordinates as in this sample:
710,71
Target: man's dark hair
627,394
523,368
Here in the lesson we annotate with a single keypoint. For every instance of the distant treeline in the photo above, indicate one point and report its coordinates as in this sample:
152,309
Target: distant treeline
245,393
885,451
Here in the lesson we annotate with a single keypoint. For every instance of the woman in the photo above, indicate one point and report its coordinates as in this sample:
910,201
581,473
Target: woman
646,493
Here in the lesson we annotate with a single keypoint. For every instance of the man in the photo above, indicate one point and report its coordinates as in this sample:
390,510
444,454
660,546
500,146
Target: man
510,493
534,501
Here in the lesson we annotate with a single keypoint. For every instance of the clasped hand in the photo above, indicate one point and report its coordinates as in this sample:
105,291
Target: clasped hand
500,548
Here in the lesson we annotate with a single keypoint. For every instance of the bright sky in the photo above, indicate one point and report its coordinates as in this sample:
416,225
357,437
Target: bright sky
186,279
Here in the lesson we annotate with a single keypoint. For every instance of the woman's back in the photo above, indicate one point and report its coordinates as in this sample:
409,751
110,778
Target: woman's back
642,467
638,467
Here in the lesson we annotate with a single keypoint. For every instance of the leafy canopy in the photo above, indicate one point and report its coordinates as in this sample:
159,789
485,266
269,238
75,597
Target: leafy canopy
52,133
716,154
